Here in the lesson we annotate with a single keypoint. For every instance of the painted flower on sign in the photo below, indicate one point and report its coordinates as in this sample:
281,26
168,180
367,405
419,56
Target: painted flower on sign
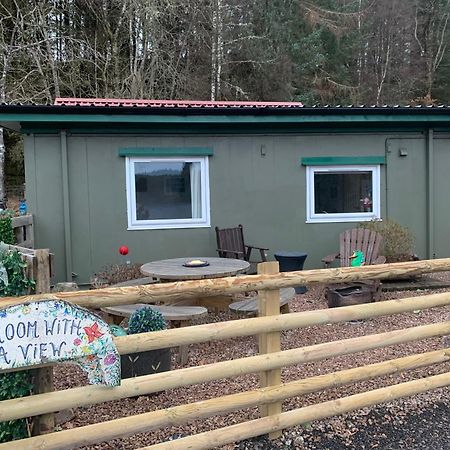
93,332
110,359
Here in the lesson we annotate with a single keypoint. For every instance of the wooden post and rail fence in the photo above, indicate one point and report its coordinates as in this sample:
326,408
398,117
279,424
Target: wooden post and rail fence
23,229
268,363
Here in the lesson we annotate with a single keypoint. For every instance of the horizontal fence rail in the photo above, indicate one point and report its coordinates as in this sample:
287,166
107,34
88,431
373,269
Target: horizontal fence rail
182,290
252,428
154,340
269,360
248,327
147,384
178,415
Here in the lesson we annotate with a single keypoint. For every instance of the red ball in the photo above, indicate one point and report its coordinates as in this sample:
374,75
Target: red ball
123,250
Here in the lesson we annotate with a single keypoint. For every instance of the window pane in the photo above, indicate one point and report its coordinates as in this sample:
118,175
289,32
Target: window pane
342,192
168,190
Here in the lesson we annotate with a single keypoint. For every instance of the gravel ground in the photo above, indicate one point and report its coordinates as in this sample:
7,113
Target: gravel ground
417,422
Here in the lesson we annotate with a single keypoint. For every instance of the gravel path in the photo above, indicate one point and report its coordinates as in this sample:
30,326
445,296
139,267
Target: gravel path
418,422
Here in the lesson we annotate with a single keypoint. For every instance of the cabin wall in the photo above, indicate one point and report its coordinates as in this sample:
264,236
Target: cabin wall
257,181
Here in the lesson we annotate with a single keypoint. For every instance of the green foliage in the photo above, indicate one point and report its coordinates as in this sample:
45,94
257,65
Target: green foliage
145,319
6,229
18,283
398,240
15,384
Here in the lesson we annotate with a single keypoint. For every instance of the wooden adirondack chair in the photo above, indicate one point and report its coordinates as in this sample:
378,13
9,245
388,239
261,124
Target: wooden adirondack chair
230,244
368,242
362,239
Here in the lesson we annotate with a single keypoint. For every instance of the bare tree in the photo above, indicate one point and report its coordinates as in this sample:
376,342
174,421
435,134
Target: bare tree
431,34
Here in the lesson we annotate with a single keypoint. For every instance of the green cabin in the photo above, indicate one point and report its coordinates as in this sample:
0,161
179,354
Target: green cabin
158,176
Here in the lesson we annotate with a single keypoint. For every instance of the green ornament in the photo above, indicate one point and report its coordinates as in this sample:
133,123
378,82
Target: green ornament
357,259
116,330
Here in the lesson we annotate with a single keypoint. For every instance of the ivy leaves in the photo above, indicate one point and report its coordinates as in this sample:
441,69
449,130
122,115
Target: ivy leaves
18,283
13,282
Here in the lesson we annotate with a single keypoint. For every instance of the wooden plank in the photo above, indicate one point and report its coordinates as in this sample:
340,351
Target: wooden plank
136,282
360,240
21,221
23,250
174,269
345,239
42,271
377,244
168,312
372,252
269,305
23,230
352,243
250,305
365,246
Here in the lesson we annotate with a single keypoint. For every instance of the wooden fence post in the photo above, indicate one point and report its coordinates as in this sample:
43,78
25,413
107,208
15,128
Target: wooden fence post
41,269
269,305
43,377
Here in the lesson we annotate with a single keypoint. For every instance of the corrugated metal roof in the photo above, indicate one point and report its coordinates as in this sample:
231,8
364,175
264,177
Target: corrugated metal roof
171,103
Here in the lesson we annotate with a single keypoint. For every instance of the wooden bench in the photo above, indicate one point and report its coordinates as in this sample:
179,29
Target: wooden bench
178,316
250,306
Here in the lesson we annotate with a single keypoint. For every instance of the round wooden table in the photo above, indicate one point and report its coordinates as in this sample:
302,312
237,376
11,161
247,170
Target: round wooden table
174,270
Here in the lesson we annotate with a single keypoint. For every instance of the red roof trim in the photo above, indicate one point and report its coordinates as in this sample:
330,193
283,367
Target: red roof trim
171,103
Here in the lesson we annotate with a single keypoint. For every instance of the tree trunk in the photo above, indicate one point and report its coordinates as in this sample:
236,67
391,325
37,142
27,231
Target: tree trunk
2,171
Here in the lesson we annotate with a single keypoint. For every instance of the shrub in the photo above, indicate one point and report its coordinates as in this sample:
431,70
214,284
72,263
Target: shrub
398,240
17,283
14,384
145,319
116,273
6,230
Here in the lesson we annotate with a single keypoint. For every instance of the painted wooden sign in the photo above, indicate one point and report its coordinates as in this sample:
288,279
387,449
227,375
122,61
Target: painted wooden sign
56,331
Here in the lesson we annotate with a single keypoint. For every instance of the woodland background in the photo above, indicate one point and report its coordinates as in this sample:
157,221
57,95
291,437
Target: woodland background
314,51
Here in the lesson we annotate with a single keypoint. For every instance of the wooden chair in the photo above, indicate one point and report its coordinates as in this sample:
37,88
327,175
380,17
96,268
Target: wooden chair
367,241
230,244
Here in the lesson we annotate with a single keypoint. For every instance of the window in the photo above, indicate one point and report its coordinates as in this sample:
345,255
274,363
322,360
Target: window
167,192
343,193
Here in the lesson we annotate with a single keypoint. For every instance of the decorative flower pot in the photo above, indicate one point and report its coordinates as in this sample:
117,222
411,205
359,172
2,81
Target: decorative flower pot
145,363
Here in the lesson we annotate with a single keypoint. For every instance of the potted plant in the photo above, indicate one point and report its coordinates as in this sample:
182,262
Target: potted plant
143,320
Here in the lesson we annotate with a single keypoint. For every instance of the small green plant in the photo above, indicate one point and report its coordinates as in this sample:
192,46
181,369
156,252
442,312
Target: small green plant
146,319
398,240
6,230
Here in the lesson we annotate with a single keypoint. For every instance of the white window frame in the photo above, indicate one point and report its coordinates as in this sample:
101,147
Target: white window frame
159,224
312,217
